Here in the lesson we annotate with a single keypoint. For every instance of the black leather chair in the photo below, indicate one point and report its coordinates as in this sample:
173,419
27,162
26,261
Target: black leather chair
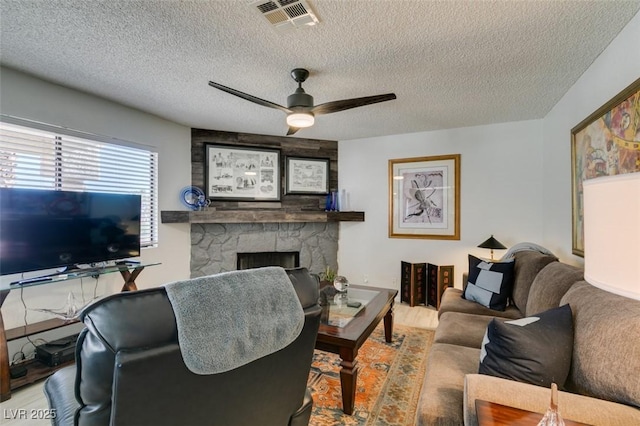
129,370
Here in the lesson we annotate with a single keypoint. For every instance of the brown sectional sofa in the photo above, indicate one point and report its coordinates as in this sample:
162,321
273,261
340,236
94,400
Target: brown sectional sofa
603,387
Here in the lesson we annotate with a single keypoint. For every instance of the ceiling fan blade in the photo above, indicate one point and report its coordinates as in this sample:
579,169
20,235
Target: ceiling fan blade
292,130
336,106
248,97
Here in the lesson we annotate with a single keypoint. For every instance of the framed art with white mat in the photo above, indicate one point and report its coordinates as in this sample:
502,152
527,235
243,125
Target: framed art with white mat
424,197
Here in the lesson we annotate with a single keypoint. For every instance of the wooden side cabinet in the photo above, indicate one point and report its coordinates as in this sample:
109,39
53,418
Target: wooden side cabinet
438,279
413,283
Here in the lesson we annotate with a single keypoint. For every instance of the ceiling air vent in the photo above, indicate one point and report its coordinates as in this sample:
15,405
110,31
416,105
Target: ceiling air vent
286,14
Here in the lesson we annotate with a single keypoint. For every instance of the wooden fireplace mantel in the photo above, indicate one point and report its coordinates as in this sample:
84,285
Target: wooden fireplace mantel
258,216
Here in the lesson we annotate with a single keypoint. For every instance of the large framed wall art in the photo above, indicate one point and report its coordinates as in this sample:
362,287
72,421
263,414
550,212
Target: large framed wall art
424,197
242,173
605,143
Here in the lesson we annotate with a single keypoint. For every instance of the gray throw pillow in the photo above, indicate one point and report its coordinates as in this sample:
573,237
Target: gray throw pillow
535,350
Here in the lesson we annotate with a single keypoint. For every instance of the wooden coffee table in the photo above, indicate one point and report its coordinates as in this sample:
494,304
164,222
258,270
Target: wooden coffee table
492,414
346,338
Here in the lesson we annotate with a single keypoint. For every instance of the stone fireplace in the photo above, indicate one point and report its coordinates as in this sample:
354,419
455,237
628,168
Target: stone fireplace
294,223
215,246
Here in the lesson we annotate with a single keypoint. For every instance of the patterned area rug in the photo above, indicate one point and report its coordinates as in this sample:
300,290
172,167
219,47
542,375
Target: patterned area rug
388,385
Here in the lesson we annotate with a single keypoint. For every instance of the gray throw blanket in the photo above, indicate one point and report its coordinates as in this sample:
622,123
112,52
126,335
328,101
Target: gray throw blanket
524,247
230,319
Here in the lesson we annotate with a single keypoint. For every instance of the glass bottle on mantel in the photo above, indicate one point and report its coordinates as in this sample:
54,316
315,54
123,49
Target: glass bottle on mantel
552,417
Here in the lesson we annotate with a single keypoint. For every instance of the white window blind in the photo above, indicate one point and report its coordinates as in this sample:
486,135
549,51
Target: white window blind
35,158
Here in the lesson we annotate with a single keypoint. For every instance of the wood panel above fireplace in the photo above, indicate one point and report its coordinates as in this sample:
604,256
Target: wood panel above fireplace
292,208
287,145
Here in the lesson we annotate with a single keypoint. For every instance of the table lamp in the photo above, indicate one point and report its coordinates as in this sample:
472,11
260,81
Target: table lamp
612,233
493,244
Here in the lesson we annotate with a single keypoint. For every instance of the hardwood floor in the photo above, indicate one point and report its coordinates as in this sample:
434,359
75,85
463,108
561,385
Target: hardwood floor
417,316
27,403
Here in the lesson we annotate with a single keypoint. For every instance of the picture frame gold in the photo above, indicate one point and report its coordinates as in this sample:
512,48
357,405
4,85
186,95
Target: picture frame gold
605,143
424,197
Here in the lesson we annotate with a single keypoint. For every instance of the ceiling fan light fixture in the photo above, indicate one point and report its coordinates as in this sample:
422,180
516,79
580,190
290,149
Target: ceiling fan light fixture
300,119
300,108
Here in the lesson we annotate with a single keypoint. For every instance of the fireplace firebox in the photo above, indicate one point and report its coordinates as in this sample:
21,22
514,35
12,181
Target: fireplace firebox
285,259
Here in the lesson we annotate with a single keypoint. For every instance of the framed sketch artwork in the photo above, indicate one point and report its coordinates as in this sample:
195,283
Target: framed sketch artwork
424,197
242,173
307,175
604,144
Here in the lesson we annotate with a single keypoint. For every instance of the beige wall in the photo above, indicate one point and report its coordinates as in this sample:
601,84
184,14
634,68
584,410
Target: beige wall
500,191
516,181
616,68
30,98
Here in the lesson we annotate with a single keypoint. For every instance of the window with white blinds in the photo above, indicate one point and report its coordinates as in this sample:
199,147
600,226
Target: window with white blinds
42,159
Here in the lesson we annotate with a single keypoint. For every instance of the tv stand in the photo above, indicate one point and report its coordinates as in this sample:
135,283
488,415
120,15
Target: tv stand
36,370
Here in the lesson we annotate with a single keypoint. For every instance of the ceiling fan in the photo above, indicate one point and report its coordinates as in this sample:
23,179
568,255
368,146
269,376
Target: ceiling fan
300,109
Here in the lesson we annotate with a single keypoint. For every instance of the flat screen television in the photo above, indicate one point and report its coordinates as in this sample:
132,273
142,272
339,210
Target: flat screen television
44,229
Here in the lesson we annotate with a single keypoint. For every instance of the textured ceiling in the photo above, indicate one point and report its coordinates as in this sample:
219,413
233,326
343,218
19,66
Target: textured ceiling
451,63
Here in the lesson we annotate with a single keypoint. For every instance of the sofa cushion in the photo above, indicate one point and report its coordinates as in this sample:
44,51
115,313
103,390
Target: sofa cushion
528,264
606,354
535,350
489,283
575,407
452,301
462,329
442,394
551,283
